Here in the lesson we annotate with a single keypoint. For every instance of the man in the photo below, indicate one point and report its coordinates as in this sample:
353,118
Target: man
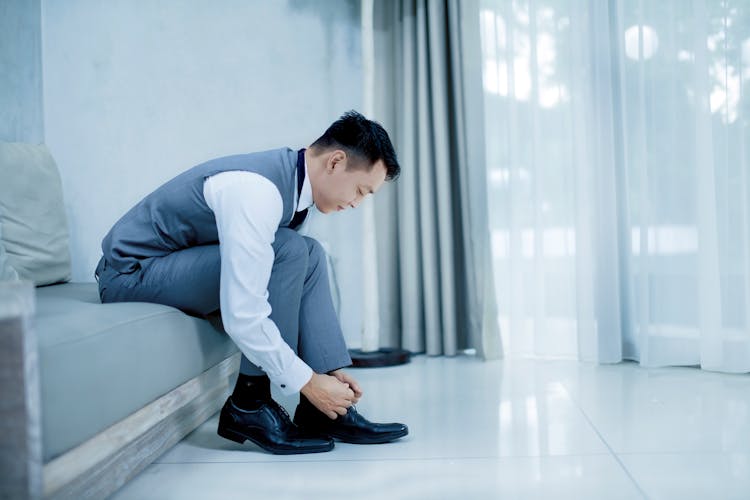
221,236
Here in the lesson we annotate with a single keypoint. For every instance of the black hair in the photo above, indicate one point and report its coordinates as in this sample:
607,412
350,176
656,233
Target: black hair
363,139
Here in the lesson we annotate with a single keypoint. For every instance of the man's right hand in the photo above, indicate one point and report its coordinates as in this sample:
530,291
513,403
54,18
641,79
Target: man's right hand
328,394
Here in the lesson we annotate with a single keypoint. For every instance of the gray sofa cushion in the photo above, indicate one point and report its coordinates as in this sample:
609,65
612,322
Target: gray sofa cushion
101,362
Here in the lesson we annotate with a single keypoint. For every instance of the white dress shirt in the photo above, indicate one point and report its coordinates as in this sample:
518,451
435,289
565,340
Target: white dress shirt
248,209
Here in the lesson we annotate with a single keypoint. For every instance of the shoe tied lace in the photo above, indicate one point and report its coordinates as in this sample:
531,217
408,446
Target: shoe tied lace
284,414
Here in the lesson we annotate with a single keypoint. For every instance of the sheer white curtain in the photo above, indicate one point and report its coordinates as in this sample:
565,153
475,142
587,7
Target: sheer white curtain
618,179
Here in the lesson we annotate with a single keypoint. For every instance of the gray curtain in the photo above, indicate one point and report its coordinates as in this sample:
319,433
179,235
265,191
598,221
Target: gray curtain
436,289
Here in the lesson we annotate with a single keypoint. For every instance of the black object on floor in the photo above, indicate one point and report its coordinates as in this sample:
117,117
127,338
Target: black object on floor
385,356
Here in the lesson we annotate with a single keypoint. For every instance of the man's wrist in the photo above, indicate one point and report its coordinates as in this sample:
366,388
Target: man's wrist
308,385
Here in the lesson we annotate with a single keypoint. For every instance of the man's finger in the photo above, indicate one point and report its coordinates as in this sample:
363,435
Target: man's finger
355,385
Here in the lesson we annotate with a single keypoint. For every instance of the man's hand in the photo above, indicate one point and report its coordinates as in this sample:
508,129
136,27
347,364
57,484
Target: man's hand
353,384
328,394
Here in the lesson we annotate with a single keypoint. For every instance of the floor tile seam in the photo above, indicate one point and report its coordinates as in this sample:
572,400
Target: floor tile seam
409,459
685,452
676,451
604,441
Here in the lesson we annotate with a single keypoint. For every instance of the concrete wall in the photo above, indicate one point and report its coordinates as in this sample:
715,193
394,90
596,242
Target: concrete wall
137,91
20,72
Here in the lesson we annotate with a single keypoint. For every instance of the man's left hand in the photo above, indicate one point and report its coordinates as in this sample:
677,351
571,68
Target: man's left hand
348,379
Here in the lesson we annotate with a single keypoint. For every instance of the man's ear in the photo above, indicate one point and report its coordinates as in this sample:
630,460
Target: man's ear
337,159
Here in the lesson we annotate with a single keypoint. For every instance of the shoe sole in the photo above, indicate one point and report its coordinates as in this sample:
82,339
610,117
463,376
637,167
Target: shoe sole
240,438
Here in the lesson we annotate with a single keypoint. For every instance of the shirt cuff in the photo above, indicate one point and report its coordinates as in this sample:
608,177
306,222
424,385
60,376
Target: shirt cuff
294,377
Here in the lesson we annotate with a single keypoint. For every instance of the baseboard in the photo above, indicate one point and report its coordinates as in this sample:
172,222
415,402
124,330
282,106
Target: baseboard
100,466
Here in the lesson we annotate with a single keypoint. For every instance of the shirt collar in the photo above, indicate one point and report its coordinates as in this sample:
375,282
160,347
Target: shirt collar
305,197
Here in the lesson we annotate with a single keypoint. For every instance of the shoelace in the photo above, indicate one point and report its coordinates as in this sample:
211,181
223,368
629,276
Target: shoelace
285,415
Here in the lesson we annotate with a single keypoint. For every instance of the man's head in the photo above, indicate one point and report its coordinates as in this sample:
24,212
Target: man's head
352,159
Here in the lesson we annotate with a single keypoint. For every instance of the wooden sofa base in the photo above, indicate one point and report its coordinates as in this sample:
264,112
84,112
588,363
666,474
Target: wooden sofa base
101,465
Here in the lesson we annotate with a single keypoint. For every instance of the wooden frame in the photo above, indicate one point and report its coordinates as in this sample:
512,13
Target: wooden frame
100,466
20,418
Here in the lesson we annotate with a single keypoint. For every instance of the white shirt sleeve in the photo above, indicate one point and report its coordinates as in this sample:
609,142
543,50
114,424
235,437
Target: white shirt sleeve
248,208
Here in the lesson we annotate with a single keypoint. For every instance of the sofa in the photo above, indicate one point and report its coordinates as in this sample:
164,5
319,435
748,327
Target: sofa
93,392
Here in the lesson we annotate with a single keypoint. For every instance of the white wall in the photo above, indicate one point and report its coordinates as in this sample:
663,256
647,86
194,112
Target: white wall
20,72
137,91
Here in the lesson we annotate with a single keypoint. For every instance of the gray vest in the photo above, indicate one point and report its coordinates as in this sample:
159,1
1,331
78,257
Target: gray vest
176,215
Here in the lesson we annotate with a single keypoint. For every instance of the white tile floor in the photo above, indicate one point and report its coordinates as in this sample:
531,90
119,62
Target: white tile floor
511,429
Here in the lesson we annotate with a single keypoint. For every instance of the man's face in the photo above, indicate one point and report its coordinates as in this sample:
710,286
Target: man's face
340,188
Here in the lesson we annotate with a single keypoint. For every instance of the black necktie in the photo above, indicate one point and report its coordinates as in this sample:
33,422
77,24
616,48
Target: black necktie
299,217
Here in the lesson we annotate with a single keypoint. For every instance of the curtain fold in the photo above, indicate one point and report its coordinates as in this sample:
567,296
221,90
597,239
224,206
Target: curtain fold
433,238
619,211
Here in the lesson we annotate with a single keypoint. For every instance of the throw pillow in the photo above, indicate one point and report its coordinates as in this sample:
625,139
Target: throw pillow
7,273
32,213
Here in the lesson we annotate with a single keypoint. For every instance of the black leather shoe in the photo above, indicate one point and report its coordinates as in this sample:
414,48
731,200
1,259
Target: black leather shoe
349,428
270,428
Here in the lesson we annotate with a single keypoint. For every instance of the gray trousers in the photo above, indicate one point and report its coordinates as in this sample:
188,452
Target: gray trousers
298,293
